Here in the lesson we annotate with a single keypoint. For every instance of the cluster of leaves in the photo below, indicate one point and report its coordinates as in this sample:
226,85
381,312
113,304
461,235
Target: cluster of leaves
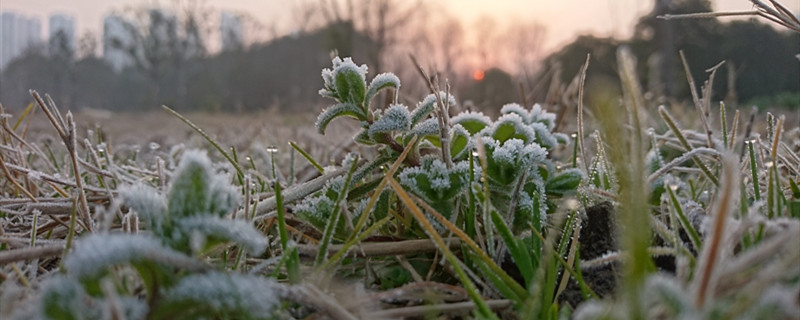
104,270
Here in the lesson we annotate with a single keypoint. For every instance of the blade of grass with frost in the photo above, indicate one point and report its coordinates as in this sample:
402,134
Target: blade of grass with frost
379,189
333,221
339,255
239,172
706,273
482,308
293,264
307,156
470,243
693,235
685,143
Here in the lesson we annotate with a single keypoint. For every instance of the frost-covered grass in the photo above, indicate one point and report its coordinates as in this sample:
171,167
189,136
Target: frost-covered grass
416,214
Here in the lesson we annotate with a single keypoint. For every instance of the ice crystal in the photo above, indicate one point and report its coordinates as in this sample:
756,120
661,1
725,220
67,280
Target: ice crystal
427,105
433,181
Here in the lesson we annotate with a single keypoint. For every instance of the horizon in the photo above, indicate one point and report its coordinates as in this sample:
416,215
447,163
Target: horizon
598,18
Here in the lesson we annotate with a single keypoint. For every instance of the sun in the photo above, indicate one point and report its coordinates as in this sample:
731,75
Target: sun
478,75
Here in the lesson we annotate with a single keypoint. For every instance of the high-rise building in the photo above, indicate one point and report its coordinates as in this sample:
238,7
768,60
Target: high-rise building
230,31
18,34
117,40
62,33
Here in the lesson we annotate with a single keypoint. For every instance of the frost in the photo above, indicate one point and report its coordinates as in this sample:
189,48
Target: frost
96,252
516,152
538,114
147,202
335,111
427,105
34,175
236,230
246,296
197,190
516,109
511,126
62,297
380,82
433,181
396,118
338,85
474,122
543,135
427,127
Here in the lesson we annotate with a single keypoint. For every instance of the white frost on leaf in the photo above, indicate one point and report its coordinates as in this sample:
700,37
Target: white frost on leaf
197,190
381,81
427,127
474,122
518,110
396,118
95,253
540,115
249,295
147,202
235,230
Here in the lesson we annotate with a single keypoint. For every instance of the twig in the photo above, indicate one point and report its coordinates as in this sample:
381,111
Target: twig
444,308
377,249
10,256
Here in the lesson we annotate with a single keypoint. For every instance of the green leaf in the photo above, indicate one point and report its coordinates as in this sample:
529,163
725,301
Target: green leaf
350,84
381,82
459,142
474,122
565,182
396,118
339,110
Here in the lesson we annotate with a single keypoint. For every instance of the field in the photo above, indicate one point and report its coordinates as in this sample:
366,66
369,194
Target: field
624,211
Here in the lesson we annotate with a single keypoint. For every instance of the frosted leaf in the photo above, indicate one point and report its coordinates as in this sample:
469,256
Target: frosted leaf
380,82
427,127
95,253
197,190
538,114
474,122
506,162
518,110
62,298
562,138
232,295
511,126
335,111
565,182
427,105
219,228
460,142
148,203
543,135
396,118
777,302
433,181
349,81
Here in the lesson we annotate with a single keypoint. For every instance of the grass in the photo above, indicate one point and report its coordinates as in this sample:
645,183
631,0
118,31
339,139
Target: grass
372,222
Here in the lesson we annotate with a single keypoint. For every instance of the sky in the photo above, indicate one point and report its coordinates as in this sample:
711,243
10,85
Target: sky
564,19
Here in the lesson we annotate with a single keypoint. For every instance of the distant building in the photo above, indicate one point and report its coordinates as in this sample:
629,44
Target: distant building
62,33
117,39
231,34
17,34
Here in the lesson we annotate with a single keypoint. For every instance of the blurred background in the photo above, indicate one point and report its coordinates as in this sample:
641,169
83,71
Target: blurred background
239,56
